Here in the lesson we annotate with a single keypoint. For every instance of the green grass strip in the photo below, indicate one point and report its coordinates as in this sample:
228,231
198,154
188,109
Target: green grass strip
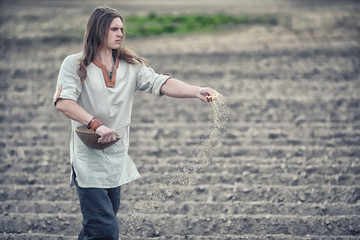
154,24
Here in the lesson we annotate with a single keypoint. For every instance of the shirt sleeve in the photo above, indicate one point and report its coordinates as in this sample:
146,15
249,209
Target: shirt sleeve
150,81
68,84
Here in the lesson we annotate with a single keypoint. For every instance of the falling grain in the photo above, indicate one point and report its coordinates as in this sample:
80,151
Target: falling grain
199,157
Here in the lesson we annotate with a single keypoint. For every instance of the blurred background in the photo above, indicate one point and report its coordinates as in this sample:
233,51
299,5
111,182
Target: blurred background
289,162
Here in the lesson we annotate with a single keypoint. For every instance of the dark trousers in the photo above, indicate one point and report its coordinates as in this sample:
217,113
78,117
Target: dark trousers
99,207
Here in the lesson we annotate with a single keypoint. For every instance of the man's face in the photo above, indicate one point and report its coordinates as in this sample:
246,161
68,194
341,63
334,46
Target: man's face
115,34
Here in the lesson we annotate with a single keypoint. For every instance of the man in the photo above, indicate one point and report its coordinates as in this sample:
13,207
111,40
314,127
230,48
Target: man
96,88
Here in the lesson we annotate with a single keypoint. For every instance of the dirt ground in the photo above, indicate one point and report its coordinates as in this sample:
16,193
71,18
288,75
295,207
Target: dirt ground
287,166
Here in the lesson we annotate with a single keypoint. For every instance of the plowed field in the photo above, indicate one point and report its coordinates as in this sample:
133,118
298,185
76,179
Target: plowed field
287,166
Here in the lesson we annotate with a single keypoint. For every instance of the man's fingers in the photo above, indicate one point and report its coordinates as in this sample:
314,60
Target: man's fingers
107,138
211,97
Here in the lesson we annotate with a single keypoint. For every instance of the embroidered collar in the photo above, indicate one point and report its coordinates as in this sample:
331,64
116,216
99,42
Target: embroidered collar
110,82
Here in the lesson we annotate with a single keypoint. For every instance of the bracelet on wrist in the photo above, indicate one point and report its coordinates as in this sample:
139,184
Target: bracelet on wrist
90,122
95,124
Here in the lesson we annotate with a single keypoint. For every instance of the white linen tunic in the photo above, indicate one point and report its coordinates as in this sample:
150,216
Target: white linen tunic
112,166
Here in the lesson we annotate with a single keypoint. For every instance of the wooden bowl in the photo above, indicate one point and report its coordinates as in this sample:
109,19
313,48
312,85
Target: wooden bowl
90,138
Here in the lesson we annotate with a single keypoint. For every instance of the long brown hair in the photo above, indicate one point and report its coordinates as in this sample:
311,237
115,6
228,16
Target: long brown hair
97,29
